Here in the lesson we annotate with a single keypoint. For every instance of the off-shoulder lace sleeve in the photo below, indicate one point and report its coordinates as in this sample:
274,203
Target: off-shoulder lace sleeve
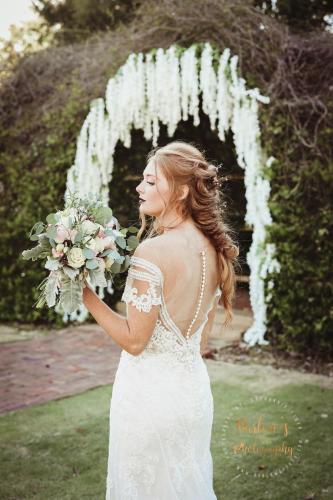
143,288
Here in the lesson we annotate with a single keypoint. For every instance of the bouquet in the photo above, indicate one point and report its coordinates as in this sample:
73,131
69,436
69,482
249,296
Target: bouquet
81,244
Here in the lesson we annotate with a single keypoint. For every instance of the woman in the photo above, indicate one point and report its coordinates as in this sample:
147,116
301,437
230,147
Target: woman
161,409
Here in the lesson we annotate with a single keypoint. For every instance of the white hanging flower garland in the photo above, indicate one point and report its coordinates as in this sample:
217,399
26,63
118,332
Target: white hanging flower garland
163,86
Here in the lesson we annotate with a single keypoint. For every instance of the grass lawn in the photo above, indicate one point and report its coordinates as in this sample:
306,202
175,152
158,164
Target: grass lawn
58,450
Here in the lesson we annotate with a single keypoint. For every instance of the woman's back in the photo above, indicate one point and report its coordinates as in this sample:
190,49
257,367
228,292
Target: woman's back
190,279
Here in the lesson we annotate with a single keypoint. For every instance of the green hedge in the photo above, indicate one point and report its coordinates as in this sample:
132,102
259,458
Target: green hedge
33,179
300,310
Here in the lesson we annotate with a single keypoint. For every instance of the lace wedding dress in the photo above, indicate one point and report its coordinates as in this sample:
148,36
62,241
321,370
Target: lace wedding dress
161,410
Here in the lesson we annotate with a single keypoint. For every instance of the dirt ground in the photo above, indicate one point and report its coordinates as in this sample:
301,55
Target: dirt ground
240,354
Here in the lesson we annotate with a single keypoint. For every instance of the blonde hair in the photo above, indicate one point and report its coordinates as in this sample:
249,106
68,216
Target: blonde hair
183,164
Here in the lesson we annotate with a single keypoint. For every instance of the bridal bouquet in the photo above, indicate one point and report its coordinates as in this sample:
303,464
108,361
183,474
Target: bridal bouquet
83,243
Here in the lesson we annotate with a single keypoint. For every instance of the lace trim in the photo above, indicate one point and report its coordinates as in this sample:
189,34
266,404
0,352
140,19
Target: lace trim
144,301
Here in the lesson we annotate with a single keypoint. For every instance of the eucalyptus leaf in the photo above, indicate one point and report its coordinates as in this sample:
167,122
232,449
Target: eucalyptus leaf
106,252
132,242
88,253
121,242
92,264
103,215
39,228
121,259
34,237
115,255
52,218
51,232
133,229
111,253
78,237
36,227
115,268
126,263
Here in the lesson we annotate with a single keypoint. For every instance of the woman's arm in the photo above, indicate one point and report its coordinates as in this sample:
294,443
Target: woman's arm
112,323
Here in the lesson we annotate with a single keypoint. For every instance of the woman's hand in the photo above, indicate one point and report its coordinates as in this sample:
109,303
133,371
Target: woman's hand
86,291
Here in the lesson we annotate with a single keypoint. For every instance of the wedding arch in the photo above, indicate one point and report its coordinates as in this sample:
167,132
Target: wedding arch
164,86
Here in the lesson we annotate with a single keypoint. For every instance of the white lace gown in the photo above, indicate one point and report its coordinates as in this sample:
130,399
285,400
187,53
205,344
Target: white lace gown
161,410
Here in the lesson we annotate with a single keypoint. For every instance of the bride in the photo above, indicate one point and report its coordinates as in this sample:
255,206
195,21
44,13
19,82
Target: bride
161,410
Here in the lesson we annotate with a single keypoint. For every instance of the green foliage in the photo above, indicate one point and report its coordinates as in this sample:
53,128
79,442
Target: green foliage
80,18
33,179
300,312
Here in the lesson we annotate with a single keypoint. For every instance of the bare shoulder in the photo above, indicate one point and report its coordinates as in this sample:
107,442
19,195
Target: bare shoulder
150,249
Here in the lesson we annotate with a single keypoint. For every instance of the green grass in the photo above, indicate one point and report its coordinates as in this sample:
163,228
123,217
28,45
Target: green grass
58,450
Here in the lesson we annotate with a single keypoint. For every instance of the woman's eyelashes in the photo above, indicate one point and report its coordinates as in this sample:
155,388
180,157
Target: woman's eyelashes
151,183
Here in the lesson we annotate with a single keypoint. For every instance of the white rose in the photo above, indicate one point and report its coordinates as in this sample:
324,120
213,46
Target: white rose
89,227
75,257
108,263
60,247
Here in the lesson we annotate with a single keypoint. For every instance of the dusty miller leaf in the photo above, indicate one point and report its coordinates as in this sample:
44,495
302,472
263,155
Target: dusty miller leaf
32,253
52,264
51,289
70,272
97,277
70,294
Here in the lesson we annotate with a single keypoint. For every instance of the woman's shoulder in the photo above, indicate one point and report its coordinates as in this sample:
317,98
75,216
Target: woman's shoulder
148,250
150,245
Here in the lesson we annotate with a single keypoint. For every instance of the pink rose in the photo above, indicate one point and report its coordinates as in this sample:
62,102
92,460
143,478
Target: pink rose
62,234
57,254
72,234
101,234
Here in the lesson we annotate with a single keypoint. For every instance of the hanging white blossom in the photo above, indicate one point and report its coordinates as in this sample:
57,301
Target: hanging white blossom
164,86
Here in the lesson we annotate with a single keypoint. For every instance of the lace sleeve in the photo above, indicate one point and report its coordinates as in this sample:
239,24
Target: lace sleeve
143,288
143,295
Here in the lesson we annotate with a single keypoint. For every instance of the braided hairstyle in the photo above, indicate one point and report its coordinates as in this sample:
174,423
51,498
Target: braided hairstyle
183,164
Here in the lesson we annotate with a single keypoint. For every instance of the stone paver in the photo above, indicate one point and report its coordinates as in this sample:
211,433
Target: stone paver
58,363
64,363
